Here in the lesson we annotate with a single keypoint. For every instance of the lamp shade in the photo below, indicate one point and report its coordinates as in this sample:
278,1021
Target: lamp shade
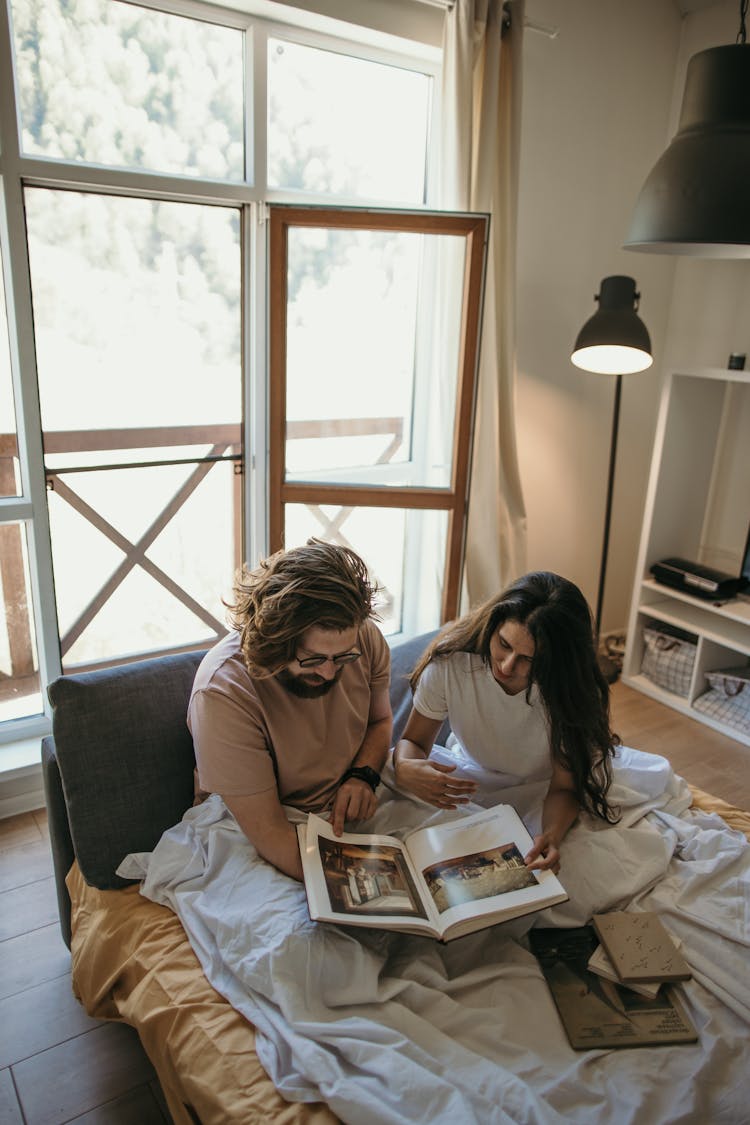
614,341
695,200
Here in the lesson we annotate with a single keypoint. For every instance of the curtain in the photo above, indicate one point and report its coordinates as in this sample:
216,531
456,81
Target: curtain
479,172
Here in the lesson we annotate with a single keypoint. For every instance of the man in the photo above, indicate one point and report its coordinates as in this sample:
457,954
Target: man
292,707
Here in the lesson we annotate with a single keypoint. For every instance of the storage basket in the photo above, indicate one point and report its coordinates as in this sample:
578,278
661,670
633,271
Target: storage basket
728,697
668,658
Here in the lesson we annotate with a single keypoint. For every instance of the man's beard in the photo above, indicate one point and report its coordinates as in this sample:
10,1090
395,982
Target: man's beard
303,689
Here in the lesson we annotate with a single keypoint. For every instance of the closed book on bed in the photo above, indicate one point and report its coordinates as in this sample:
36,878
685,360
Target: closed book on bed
597,1013
639,947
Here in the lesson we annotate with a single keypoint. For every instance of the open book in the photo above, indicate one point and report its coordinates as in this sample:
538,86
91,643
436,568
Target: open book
443,881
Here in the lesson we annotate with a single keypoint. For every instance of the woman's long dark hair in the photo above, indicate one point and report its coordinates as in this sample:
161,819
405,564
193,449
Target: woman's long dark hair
573,689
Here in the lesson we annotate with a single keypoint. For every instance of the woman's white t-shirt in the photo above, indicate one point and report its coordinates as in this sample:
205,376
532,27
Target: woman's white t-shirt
503,734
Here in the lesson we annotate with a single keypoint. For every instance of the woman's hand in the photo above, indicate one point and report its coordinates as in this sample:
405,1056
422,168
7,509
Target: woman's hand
544,855
432,782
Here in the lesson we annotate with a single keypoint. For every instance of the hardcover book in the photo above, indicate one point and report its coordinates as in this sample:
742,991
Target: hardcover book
639,947
595,1012
443,881
600,964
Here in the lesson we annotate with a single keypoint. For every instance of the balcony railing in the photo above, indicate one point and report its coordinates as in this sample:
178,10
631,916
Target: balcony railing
224,444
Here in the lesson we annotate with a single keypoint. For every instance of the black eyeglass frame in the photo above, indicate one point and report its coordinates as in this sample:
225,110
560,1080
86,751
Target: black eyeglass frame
338,660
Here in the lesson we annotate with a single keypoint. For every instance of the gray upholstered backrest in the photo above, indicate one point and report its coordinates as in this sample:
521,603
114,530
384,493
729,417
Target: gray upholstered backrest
119,769
125,757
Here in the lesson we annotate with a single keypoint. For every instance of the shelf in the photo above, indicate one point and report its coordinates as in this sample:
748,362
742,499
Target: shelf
709,621
735,609
696,508
648,687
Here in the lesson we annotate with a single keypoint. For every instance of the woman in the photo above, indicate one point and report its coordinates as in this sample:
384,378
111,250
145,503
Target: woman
519,681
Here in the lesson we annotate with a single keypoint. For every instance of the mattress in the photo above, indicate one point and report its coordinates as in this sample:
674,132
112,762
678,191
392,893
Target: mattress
132,962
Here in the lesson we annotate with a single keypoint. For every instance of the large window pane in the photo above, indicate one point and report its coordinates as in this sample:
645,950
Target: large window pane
345,126
138,326
353,375
20,693
154,552
136,311
111,83
10,483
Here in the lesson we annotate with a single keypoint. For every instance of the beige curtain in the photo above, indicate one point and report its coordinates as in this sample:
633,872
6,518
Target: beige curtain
479,172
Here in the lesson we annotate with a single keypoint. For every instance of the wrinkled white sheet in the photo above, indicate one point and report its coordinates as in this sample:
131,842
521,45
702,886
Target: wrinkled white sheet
391,1029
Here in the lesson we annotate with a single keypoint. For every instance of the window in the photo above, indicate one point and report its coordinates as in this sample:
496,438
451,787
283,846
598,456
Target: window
138,330
370,409
140,152
104,82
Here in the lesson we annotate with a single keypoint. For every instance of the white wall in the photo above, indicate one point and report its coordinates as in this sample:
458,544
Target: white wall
596,110
600,103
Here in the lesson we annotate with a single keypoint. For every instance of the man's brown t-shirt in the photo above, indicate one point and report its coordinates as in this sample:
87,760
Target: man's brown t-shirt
254,735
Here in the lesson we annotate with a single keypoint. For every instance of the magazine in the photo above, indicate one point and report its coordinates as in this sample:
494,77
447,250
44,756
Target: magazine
596,1012
443,881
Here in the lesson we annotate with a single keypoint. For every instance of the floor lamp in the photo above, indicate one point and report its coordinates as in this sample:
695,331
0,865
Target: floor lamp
614,341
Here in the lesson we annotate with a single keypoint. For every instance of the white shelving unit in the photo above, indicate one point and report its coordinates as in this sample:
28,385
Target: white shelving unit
698,498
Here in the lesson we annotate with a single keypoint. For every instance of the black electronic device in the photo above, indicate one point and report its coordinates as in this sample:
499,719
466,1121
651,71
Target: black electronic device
700,581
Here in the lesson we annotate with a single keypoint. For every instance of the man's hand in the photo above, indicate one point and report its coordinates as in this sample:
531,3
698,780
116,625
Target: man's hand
432,782
354,800
545,854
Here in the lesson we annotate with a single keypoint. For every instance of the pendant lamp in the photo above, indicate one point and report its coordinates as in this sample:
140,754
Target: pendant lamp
614,341
695,199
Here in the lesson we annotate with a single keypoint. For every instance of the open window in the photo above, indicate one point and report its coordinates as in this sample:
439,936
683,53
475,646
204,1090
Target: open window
374,325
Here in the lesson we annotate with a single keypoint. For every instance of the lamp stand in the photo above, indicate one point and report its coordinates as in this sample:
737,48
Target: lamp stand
608,668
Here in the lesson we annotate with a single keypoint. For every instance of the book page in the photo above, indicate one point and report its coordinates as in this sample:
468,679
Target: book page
357,879
474,865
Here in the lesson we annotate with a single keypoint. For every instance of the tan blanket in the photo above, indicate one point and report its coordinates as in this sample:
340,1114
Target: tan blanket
132,962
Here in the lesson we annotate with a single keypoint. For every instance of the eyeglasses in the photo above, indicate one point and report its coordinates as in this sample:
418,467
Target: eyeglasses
339,659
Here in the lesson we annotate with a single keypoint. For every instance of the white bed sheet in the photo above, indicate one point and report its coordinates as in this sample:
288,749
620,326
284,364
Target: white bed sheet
392,1029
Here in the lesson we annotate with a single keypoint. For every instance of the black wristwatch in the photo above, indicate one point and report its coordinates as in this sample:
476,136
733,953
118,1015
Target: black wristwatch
363,773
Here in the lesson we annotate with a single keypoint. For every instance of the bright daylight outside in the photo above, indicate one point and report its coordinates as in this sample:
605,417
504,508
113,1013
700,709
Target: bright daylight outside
356,305
138,320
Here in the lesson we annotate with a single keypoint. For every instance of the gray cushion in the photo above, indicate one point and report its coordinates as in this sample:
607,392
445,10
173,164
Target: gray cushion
403,659
125,757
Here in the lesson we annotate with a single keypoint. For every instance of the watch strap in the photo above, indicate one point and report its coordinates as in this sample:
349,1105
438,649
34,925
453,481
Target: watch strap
362,773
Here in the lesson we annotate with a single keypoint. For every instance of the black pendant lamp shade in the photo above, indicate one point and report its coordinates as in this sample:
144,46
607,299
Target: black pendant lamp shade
614,341
696,199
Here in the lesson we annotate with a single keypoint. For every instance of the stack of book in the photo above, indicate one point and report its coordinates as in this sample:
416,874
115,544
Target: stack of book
637,952
622,992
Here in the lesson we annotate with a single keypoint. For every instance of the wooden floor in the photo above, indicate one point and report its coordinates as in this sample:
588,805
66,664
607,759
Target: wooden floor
58,1065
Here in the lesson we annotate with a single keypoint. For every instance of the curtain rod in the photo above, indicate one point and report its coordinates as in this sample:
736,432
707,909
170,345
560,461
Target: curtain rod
543,29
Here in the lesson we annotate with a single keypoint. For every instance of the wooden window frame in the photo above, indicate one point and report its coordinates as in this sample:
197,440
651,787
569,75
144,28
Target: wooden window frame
452,499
